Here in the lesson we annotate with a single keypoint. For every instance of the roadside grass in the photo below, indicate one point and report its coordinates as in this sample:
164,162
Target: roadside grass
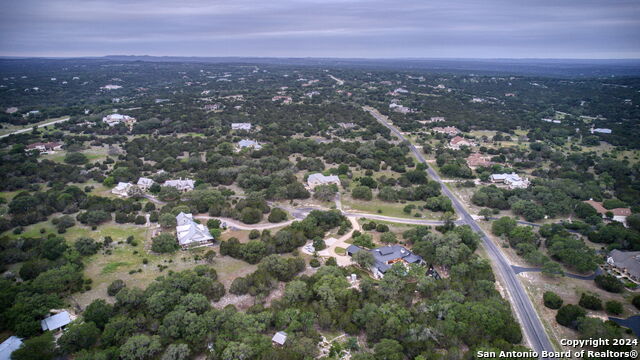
340,250
388,209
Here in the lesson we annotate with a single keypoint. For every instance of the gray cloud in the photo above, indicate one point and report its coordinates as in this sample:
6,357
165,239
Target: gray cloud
329,28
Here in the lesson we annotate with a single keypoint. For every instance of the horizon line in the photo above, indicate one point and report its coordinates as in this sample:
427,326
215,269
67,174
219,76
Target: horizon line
25,57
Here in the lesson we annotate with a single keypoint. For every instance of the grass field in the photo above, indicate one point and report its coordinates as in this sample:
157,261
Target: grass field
387,209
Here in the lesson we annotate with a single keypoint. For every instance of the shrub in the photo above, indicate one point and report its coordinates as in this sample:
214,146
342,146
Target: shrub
314,263
86,246
609,283
591,302
568,315
164,243
277,215
382,228
552,300
613,307
115,287
636,301
254,234
362,193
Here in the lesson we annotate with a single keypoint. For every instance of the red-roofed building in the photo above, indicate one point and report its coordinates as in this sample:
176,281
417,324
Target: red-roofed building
476,159
45,148
458,142
619,214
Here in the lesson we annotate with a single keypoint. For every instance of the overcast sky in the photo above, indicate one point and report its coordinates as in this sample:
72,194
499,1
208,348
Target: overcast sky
323,28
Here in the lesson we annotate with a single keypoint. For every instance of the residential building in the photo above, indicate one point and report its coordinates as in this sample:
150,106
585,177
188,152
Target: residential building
279,338
348,125
190,233
600,130
385,256
436,119
448,130
458,141
122,189
513,180
55,322
619,214
319,179
475,160
241,126
627,263
248,144
183,185
111,87
399,108
212,107
8,346
45,148
145,183
115,119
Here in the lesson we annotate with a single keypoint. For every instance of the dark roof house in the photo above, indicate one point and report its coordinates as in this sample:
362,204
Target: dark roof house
386,256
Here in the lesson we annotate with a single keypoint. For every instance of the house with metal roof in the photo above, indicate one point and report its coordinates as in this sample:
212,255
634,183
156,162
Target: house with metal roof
145,183
319,179
626,262
241,126
248,144
183,185
56,321
122,189
190,233
10,345
385,256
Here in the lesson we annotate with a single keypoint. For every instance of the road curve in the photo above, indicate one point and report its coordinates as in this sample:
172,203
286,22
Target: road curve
39,126
531,324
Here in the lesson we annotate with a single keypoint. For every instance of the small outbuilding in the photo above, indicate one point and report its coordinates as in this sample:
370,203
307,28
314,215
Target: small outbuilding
56,321
279,338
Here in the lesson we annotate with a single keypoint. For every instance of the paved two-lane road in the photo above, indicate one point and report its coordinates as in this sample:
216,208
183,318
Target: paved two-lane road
533,329
39,126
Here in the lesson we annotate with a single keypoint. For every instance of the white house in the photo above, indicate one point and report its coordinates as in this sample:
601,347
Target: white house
183,185
619,214
122,189
115,119
248,144
241,126
145,183
56,321
190,233
319,179
513,180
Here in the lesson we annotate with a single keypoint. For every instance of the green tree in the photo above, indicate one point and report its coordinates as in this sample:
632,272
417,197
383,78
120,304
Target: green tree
503,226
388,349
364,258
78,336
250,215
167,220
388,238
325,192
591,302
277,215
98,312
38,348
140,347
176,352
76,158
362,193
613,307
568,315
164,243
552,300
86,246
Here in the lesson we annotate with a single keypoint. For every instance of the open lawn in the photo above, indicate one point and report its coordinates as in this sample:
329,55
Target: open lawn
94,153
387,209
